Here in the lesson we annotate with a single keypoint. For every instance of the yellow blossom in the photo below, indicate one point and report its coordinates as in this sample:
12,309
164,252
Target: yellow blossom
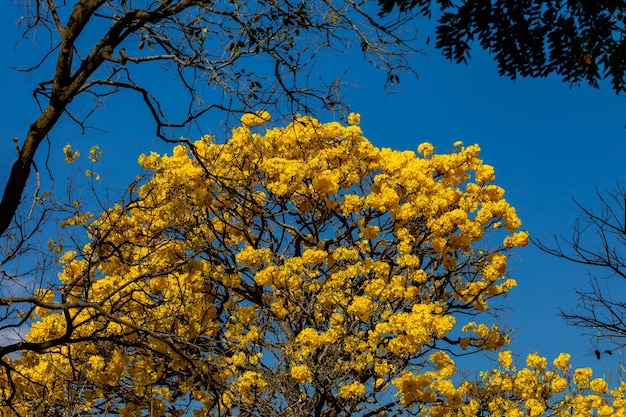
562,361
301,373
582,375
425,148
517,239
253,119
70,154
505,359
354,118
598,385
353,389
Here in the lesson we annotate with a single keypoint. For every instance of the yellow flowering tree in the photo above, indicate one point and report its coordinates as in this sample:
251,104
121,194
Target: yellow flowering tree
296,272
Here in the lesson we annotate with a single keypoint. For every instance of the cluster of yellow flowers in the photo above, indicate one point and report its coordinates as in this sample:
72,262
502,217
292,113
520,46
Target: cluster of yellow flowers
296,269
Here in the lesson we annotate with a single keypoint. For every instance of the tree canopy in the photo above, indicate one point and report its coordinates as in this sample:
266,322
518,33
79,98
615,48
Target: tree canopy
578,40
297,270
300,271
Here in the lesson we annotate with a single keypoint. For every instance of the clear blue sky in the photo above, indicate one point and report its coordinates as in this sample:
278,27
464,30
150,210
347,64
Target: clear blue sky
548,143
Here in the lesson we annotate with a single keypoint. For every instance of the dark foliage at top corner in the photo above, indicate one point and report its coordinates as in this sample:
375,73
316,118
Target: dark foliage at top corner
578,40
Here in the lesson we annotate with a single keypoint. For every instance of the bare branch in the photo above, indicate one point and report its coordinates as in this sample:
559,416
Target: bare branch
598,240
203,43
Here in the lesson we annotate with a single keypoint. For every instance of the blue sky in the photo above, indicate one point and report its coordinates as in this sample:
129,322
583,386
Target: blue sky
548,143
